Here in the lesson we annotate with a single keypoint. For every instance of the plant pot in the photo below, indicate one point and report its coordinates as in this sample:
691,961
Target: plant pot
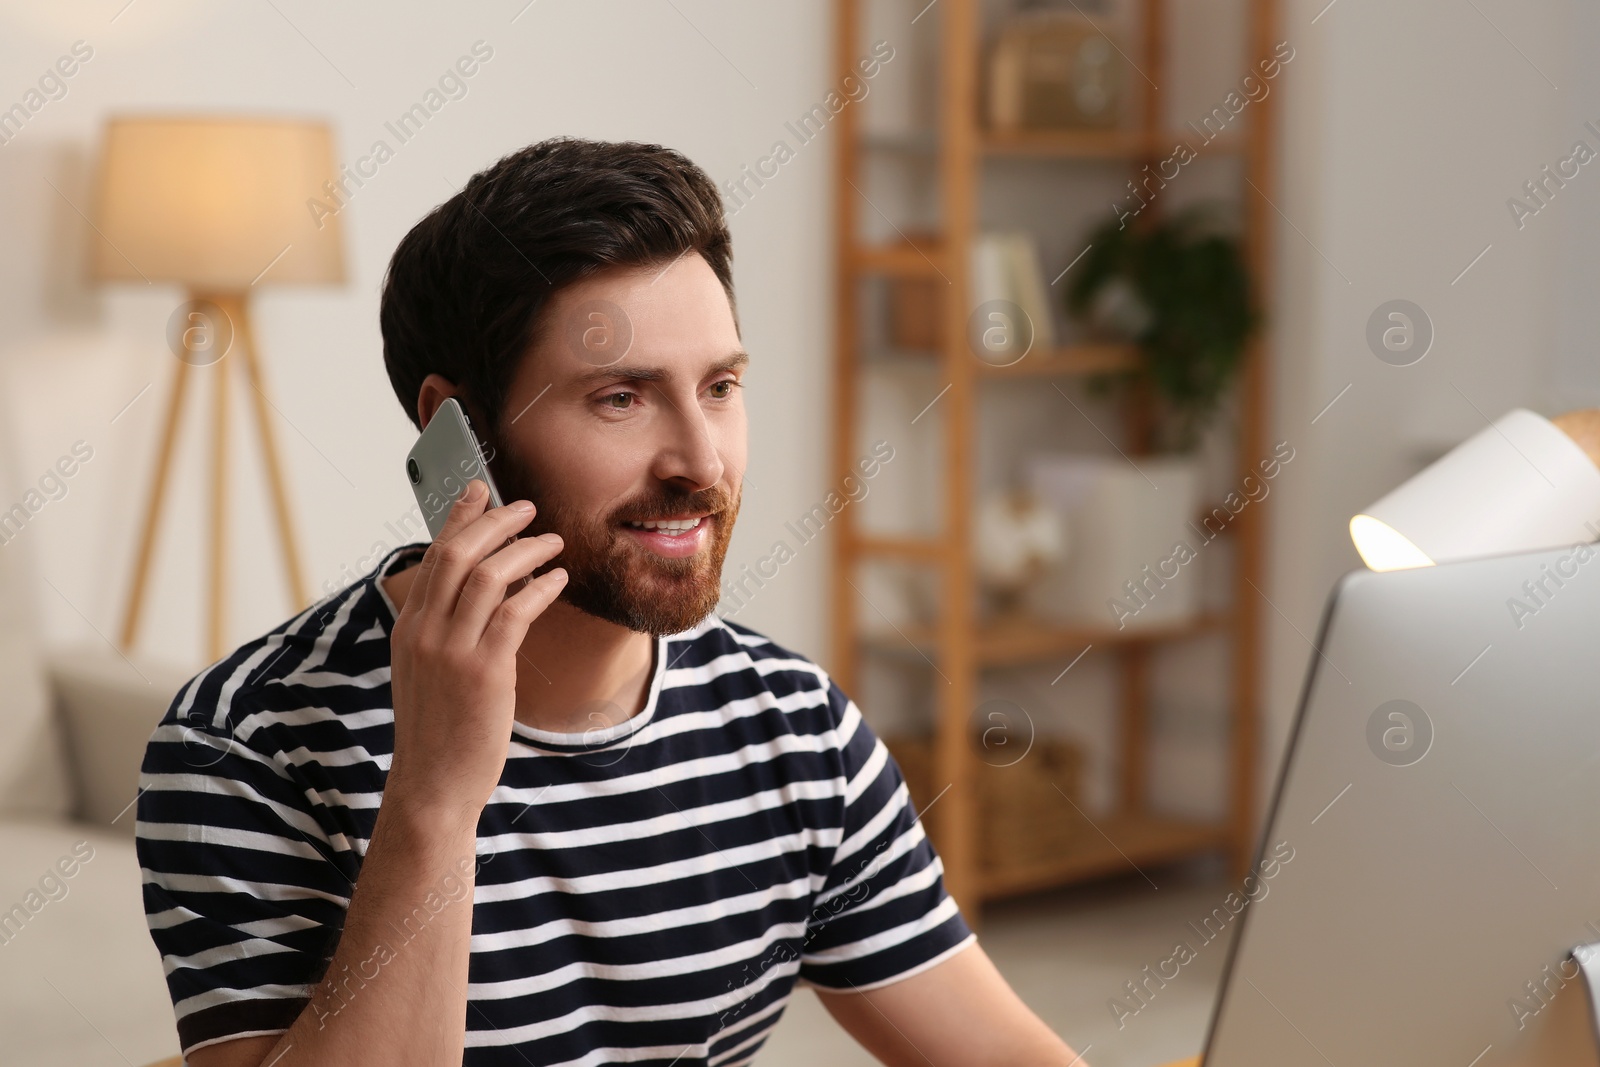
1134,560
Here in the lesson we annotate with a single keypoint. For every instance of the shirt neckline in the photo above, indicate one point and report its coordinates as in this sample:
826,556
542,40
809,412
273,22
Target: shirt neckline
593,740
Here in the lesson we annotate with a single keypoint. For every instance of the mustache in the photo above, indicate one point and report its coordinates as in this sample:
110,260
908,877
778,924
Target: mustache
663,506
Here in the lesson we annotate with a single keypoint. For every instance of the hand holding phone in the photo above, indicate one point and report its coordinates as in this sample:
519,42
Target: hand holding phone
454,649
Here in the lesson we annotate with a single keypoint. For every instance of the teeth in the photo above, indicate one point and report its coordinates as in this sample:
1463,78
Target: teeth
672,526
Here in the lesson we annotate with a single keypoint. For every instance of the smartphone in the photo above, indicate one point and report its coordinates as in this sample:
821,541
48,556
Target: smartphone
445,458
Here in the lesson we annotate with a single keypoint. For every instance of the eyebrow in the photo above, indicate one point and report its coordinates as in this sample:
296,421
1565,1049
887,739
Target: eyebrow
618,372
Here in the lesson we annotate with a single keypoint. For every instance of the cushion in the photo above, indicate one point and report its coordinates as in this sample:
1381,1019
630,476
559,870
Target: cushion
107,707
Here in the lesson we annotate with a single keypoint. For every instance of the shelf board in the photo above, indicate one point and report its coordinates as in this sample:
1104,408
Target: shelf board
916,548
1064,144
1067,361
1064,361
898,260
1103,144
918,142
1016,642
1122,842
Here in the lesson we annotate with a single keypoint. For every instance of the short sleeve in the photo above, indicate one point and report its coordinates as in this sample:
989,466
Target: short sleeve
244,893
883,913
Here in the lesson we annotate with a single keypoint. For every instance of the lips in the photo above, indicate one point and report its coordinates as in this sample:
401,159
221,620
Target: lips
673,525
672,538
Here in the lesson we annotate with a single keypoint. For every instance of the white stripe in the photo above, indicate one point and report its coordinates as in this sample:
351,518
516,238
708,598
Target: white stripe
231,836
271,646
911,883
702,815
871,866
874,826
672,870
376,678
884,939
731,1054
219,954
694,963
213,883
212,997
737,708
216,785
869,770
277,925
681,771
654,922
734,663
632,1013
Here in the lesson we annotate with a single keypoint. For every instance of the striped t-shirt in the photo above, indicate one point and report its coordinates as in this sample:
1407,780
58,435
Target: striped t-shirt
649,893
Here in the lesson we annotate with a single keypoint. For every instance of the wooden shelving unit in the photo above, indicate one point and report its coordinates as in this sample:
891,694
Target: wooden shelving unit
1132,836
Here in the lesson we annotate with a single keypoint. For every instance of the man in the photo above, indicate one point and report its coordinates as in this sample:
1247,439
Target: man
447,816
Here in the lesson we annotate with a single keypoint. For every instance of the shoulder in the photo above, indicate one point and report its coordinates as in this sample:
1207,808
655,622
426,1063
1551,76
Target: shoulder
728,661
718,648
305,675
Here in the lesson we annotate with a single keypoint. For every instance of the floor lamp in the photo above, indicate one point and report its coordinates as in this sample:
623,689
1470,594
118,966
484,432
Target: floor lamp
221,205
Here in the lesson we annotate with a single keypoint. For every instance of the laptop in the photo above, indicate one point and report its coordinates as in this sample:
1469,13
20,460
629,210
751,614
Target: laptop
1432,856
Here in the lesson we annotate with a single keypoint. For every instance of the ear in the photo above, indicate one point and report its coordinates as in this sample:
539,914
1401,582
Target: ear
435,390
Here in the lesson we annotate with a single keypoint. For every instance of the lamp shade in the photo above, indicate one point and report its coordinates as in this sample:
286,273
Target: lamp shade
1518,485
216,203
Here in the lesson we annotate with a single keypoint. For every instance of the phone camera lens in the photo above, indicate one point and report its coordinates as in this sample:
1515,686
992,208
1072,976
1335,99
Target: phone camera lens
414,471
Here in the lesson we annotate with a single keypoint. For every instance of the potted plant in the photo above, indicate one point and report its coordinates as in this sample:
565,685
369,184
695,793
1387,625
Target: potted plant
1178,290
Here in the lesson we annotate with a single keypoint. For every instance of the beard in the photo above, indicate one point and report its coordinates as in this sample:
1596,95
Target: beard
609,574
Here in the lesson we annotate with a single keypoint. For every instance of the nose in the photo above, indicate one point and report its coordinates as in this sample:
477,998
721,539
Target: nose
689,455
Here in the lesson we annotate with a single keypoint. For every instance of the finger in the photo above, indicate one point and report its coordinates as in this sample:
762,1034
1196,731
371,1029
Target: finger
462,511
455,557
487,584
508,626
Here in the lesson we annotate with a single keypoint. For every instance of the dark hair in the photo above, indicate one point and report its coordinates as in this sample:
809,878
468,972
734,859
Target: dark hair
467,288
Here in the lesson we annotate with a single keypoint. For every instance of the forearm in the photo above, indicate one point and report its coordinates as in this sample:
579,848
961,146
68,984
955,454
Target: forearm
960,1011
395,991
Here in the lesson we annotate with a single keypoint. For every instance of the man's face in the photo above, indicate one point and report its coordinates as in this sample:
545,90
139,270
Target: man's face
603,430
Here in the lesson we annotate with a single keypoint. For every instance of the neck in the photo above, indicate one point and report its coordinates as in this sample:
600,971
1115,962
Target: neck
574,672
585,673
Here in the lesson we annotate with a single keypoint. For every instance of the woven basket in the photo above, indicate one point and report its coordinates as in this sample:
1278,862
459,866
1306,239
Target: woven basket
1026,809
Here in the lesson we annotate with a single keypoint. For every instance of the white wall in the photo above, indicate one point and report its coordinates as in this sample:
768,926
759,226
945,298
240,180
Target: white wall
714,80
1406,129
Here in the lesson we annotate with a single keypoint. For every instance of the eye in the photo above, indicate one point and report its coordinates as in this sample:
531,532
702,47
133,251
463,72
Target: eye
610,397
730,383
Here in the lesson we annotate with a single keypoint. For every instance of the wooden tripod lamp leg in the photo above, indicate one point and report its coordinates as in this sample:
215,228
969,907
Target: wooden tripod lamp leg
216,622
152,511
245,341
236,307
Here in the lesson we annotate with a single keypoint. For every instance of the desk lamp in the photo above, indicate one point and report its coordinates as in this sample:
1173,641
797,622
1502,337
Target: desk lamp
1522,483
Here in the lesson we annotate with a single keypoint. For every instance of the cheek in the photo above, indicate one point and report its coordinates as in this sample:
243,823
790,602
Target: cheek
588,478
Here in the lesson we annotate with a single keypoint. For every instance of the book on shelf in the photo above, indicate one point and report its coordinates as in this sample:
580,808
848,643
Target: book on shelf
1005,266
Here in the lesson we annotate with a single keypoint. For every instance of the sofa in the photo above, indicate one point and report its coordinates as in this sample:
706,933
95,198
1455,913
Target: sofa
80,981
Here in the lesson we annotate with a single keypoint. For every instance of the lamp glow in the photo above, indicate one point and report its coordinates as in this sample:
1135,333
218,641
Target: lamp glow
1383,548
213,202
1520,484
